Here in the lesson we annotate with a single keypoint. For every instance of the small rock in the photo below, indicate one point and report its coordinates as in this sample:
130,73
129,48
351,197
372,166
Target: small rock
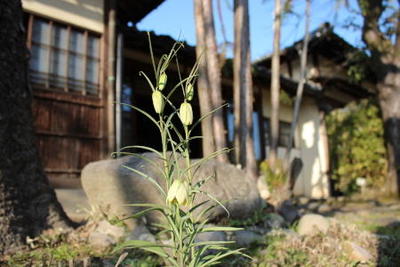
245,238
313,206
288,211
324,208
311,224
341,199
302,211
141,233
330,200
274,221
263,188
257,229
100,241
356,252
114,231
107,263
290,233
303,200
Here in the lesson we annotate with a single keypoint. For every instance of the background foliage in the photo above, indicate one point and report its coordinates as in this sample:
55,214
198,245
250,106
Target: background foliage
356,146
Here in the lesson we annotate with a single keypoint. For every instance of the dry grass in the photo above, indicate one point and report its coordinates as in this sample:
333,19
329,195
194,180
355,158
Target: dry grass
286,248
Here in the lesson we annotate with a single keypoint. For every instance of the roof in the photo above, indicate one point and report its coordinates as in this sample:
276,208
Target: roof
135,10
161,44
323,41
329,45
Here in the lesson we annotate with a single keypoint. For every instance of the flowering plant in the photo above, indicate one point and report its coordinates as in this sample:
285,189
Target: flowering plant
181,225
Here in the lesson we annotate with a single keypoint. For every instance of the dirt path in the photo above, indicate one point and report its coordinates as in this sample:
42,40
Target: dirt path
382,217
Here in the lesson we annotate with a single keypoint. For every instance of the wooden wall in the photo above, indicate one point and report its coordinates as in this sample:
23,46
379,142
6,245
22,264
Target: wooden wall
69,134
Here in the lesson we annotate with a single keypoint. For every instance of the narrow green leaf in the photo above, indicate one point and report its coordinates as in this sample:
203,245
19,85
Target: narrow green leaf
221,229
209,243
144,113
148,80
205,116
148,178
144,148
143,212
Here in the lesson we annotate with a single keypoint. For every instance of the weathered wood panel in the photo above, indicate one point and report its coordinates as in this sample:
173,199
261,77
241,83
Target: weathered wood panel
69,135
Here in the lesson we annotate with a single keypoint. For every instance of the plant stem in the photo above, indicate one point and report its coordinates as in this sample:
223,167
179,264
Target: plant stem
164,150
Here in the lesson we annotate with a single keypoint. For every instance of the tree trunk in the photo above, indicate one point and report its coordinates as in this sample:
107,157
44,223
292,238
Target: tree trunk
214,78
389,100
275,84
302,81
243,90
202,82
28,204
385,61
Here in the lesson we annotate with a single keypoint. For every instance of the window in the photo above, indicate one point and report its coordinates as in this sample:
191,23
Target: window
284,133
63,57
230,124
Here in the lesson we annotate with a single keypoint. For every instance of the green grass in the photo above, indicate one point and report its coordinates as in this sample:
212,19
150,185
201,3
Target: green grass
65,253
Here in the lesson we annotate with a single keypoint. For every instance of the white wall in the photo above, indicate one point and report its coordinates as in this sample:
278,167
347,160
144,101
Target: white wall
285,112
313,150
87,14
311,146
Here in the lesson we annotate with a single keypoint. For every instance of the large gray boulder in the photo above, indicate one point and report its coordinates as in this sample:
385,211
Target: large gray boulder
109,186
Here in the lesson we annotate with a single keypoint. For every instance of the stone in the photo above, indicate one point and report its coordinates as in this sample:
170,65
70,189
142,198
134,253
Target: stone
290,233
245,238
288,211
313,206
303,200
211,236
257,229
109,186
311,224
324,208
356,252
100,241
105,235
141,233
114,231
263,188
274,221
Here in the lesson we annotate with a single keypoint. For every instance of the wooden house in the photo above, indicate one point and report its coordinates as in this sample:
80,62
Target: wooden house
86,56
73,78
328,87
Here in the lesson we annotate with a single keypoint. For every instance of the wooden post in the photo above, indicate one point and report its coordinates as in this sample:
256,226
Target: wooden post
118,90
110,85
275,84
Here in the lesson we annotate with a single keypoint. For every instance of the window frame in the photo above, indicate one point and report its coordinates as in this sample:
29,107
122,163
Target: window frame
267,133
67,89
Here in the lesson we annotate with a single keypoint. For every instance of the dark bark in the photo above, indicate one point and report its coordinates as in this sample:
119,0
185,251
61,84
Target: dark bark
389,100
385,62
28,205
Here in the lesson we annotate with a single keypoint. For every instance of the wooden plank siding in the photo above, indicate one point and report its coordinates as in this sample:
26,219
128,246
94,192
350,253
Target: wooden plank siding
68,135
69,123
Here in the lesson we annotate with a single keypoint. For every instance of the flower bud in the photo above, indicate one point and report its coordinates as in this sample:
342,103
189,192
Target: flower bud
158,101
162,81
186,113
189,92
178,193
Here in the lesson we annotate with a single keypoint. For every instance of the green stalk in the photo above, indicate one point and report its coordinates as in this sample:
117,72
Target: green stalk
164,150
